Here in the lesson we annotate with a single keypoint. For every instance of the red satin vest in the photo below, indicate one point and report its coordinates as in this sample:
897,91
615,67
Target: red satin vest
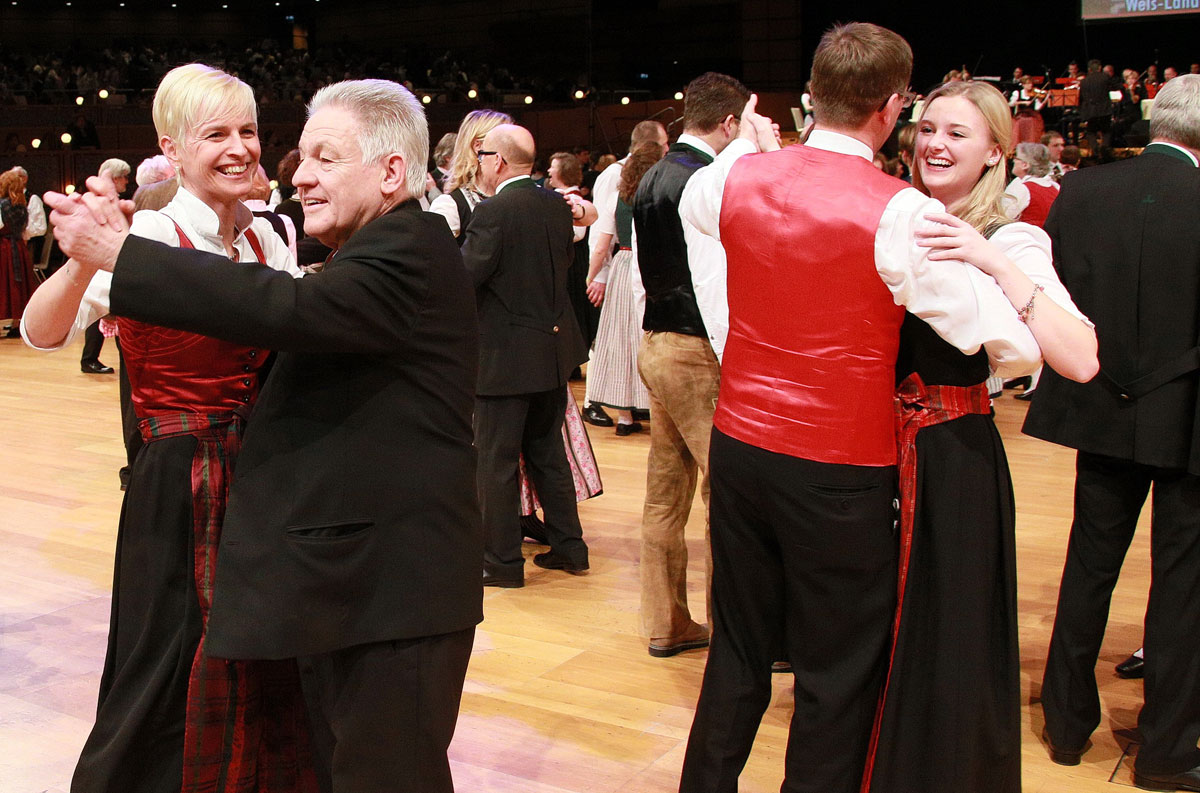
1040,199
172,371
809,367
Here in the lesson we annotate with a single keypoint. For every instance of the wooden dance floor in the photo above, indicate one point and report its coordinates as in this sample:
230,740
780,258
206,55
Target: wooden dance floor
561,694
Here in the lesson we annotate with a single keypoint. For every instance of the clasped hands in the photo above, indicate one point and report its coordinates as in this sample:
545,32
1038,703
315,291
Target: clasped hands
91,226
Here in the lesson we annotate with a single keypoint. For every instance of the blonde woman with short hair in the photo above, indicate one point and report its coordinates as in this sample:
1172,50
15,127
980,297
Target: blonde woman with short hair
155,729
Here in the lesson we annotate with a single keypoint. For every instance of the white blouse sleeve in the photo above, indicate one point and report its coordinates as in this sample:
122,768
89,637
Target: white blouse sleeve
1028,247
964,305
1016,198
444,205
148,224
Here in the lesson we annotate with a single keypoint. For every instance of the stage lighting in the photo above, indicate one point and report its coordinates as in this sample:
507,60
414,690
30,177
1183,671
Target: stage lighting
472,94
69,189
36,143
104,93
579,94
79,100
65,137
529,100
678,95
624,100
426,99
274,184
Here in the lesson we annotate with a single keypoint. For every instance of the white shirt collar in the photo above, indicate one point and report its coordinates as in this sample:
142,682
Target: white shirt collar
1190,156
836,142
697,143
509,181
203,219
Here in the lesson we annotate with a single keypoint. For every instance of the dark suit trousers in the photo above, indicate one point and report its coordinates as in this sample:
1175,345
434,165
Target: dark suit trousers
804,556
505,428
93,340
1109,495
382,714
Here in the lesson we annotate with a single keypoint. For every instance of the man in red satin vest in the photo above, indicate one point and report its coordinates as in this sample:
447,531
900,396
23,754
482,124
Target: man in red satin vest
821,267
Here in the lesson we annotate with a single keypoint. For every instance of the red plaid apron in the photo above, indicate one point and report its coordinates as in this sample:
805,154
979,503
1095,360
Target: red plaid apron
246,725
917,406
246,728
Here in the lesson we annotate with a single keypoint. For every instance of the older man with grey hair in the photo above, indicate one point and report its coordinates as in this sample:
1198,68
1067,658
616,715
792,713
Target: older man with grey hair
352,536
1135,428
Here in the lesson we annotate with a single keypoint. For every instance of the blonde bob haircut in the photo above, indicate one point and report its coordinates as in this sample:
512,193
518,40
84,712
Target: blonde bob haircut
390,120
464,166
983,207
194,92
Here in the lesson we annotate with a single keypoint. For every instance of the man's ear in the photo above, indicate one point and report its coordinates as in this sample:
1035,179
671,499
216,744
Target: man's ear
394,174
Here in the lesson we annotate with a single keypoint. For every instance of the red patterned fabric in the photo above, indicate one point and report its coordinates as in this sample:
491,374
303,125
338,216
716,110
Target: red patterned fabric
246,727
917,406
809,366
585,473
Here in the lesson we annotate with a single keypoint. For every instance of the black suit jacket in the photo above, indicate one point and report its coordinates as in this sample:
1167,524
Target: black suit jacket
352,515
518,249
1126,240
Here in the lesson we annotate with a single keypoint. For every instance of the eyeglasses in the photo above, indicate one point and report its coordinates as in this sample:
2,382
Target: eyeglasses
481,154
907,97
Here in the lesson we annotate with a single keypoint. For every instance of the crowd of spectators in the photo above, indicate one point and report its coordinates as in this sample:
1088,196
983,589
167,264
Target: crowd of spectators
276,74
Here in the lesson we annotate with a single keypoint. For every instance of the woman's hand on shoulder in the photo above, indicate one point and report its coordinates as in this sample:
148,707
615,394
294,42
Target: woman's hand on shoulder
952,238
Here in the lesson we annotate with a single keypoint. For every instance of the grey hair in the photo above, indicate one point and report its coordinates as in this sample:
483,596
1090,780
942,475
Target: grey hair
1037,156
112,168
390,121
1176,113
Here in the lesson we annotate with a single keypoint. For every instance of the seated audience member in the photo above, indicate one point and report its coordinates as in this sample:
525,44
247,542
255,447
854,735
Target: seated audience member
1054,143
1031,193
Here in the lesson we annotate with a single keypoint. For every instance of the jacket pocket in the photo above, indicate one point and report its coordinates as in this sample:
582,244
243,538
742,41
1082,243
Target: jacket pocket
326,532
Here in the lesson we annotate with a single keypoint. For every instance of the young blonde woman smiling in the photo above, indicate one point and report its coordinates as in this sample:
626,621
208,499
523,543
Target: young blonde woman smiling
950,718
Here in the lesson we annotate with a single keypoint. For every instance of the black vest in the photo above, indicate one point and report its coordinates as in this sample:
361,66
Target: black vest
662,252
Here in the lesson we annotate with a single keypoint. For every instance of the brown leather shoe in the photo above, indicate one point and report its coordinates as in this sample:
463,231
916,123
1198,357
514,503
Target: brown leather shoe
694,638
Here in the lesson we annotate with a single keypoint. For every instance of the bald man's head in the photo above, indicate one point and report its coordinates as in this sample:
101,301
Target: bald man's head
514,144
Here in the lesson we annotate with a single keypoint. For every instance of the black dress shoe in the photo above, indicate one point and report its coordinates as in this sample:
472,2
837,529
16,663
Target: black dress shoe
1132,668
1022,382
554,561
640,415
628,429
1025,395
95,367
595,415
123,475
13,332
505,581
1062,756
1187,780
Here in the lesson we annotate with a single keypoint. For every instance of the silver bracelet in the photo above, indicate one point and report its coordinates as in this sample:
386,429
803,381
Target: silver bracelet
1025,314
